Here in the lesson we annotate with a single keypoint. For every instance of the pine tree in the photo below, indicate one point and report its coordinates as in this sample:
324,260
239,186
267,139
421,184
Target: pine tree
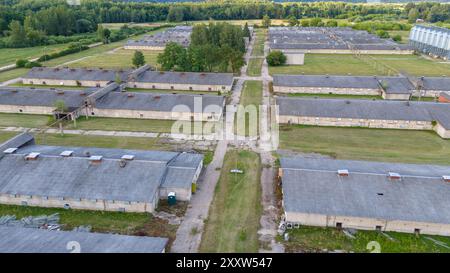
138,59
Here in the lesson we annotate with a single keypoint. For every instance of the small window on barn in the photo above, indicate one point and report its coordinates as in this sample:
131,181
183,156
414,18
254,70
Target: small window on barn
190,88
153,86
209,88
338,225
44,82
20,110
171,87
417,231
378,228
97,85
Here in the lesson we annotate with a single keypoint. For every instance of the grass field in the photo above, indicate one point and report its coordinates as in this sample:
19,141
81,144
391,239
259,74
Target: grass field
115,60
50,86
11,55
251,95
254,67
234,216
102,141
23,120
258,46
367,144
332,96
337,64
4,136
141,224
93,52
317,239
403,33
122,124
12,74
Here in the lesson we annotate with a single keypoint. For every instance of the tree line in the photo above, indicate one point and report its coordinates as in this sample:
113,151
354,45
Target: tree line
38,20
214,47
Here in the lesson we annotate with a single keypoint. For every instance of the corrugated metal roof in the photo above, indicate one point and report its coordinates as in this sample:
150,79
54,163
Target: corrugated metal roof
41,96
29,240
76,176
366,109
76,74
420,195
225,79
366,82
159,102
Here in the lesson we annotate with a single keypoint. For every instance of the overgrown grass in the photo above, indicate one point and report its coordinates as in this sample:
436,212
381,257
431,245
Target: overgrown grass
258,46
367,144
115,60
343,64
234,216
254,67
251,96
12,74
23,120
122,124
169,91
318,239
141,224
4,136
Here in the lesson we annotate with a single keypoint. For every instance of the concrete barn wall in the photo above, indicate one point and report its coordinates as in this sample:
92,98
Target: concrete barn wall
142,47
138,114
388,96
26,109
173,86
326,90
428,93
367,223
441,131
348,122
63,83
181,194
295,58
102,205
348,51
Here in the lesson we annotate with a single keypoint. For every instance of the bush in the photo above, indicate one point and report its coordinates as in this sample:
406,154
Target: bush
397,38
32,64
382,33
276,58
21,63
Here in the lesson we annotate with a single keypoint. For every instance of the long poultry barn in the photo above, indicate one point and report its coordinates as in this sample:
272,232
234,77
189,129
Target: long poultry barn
366,113
93,178
366,195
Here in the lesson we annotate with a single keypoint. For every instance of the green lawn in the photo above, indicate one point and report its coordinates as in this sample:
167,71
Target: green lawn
23,120
122,124
11,55
254,67
331,96
343,64
93,52
142,224
12,74
234,216
367,144
258,46
4,136
316,239
403,33
251,95
102,141
115,60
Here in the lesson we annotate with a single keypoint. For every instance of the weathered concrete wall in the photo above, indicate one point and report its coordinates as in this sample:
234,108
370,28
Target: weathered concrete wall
427,93
37,110
348,51
295,58
173,86
63,83
115,113
136,47
441,131
326,90
388,96
347,122
104,205
181,194
367,223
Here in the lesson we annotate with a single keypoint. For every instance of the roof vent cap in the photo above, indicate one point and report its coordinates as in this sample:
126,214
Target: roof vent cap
394,176
127,157
10,150
95,158
66,153
32,156
343,172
